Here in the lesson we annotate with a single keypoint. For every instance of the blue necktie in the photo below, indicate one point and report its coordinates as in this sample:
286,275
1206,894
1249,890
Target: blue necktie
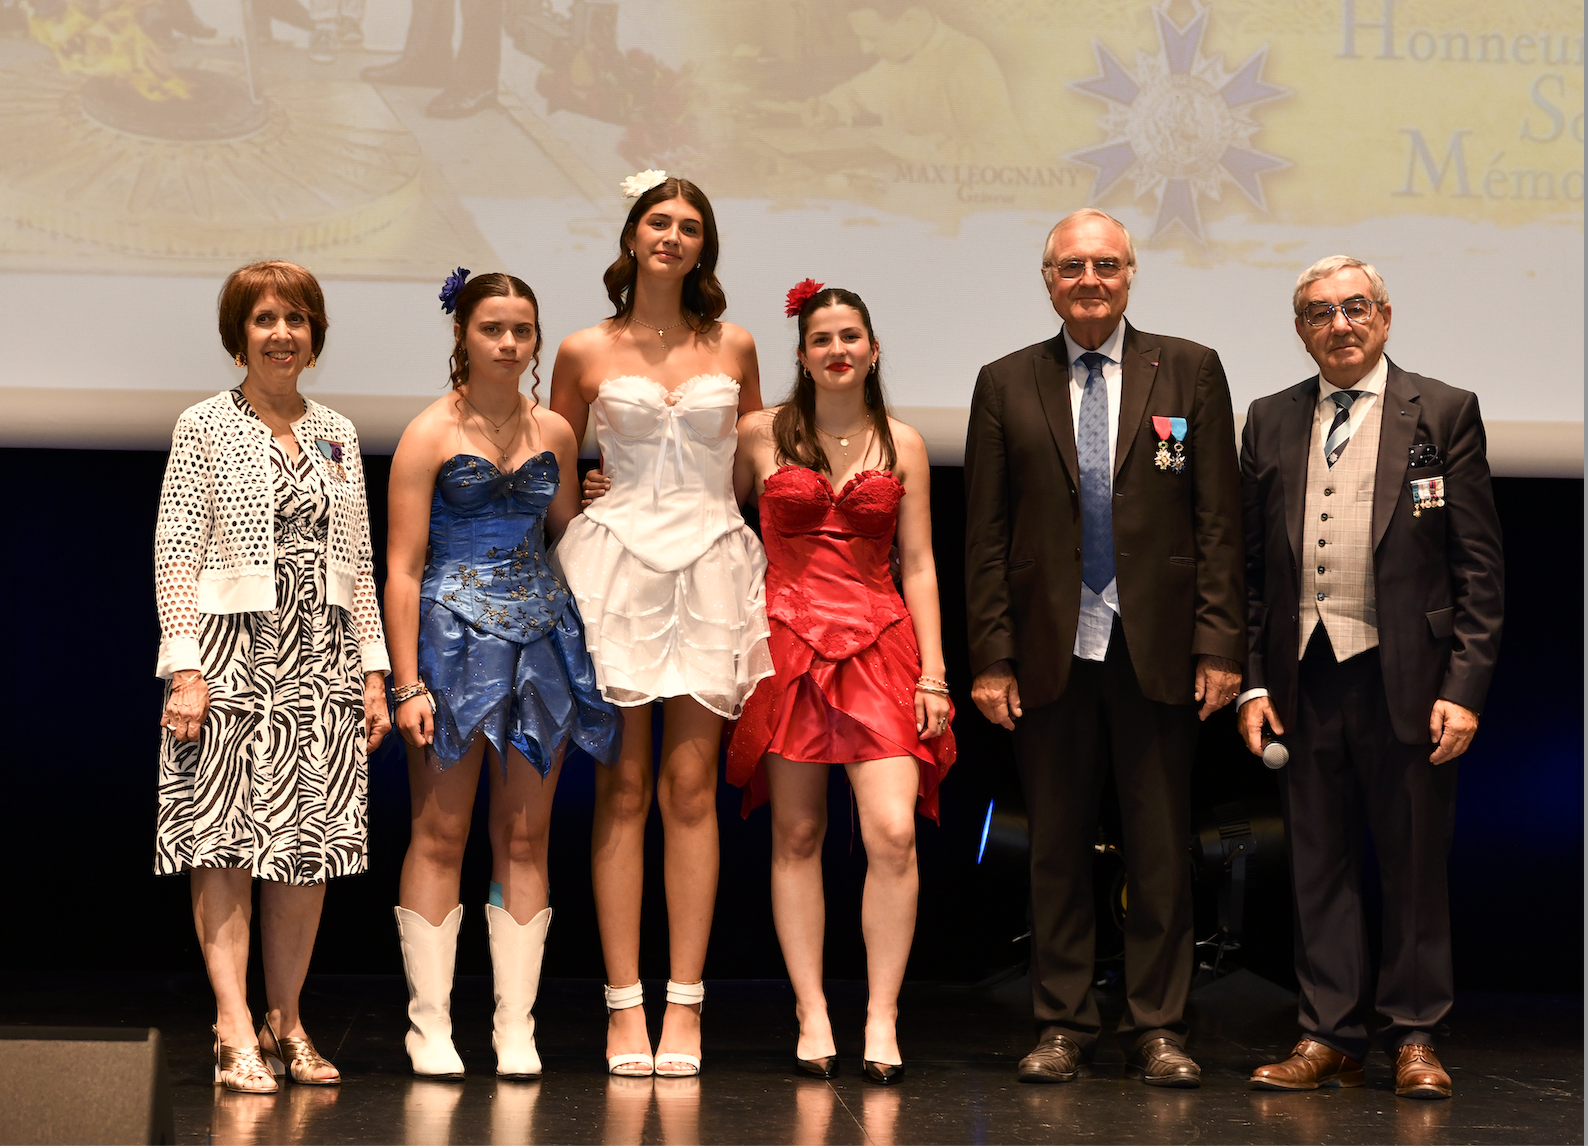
1340,429
1091,448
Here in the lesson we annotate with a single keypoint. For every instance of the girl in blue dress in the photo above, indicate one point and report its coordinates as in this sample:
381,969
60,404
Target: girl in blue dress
488,663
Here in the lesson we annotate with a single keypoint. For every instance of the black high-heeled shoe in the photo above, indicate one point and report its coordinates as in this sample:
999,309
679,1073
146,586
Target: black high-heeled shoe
883,1073
824,1067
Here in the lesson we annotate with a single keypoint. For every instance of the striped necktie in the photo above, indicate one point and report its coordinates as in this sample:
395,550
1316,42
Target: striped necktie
1340,428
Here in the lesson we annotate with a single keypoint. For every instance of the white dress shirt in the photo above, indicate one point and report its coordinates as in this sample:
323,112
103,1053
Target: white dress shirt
1372,386
1097,609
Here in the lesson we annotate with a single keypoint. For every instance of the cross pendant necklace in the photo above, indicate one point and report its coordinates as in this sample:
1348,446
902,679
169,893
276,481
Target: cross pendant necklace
661,331
479,417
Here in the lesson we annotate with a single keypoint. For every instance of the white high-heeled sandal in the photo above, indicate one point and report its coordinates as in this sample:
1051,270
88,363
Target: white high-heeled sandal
685,995
628,1065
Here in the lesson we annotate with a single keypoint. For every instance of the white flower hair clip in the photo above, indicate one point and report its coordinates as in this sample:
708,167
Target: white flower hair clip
636,185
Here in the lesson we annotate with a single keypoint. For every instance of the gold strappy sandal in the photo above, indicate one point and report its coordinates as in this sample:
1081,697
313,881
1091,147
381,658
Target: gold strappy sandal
242,1069
298,1058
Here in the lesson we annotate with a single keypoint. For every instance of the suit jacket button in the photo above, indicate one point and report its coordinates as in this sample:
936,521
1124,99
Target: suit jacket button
1077,552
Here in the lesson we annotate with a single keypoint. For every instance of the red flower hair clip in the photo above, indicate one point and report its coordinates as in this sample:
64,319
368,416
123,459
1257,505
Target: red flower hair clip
800,295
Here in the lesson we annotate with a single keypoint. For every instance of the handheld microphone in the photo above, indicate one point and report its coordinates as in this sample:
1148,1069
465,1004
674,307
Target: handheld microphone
1275,754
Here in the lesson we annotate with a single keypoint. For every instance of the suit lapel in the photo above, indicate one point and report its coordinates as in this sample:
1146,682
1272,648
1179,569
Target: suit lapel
1401,410
1295,445
1138,369
1052,376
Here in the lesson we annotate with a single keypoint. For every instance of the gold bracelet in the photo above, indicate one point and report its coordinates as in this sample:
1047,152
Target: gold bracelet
930,689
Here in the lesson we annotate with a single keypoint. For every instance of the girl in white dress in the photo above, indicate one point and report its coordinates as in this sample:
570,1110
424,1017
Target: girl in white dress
668,579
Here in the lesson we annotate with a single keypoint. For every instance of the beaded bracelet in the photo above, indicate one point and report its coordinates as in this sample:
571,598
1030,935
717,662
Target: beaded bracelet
938,681
408,691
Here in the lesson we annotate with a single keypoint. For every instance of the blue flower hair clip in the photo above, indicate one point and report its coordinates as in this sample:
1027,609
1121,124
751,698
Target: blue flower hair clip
452,287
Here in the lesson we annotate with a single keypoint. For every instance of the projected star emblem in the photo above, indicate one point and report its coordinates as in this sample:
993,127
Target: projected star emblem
1180,127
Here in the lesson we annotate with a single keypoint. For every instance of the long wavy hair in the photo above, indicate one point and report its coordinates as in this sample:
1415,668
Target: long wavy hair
794,424
704,298
476,291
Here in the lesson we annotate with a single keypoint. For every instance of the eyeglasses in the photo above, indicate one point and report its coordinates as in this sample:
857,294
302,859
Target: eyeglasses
1075,268
1322,313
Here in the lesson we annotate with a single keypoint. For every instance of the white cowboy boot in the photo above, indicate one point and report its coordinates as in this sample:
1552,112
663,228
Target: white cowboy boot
429,955
516,951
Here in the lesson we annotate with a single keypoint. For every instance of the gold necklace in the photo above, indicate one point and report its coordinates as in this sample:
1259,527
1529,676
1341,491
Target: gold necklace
843,439
479,418
286,427
661,331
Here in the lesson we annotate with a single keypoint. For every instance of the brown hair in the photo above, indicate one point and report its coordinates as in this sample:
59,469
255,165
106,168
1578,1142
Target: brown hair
245,286
703,294
794,424
476,291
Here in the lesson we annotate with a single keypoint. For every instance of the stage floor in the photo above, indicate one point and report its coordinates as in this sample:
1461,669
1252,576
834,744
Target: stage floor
1516,1060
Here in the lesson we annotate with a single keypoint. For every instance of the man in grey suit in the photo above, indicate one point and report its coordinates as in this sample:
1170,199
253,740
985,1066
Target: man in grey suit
1375,594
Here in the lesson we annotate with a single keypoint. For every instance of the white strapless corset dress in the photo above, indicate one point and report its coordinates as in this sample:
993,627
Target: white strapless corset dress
669,579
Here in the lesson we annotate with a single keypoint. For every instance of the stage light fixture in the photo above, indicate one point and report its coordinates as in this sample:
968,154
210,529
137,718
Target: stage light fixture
1227,840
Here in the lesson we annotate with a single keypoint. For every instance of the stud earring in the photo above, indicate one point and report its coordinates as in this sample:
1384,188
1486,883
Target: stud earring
631,252
240,359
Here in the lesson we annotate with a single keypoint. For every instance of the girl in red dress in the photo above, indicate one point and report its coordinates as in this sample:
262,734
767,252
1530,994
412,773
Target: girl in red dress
859,670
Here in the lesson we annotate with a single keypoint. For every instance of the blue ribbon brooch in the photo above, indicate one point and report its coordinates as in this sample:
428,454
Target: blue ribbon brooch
332,453
1170,428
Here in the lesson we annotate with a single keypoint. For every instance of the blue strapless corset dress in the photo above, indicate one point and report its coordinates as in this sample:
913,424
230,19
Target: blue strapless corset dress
501,643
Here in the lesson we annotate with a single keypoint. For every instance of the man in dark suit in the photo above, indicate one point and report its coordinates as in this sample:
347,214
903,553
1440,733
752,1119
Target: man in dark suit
1375,593
1103,576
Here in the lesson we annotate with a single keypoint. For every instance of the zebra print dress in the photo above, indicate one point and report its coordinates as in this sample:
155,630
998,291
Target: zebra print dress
277,782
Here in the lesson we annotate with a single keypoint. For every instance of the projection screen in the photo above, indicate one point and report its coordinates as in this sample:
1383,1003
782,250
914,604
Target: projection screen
915,152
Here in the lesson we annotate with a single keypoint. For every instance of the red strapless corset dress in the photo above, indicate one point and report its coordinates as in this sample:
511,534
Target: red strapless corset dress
843,646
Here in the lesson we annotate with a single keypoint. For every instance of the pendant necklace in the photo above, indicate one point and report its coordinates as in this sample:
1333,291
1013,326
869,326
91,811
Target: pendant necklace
842,439
479,418
661,331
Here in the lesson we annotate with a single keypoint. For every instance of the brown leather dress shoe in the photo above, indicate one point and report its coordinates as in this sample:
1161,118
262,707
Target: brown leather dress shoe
1057,1058
1419,1074
1310,1065
1163,1062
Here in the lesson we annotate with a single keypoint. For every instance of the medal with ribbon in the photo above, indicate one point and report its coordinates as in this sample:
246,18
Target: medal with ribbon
332,453
1170,428
1427,493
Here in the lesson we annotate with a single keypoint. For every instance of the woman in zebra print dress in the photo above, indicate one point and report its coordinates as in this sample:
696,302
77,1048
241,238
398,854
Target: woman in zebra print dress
272,643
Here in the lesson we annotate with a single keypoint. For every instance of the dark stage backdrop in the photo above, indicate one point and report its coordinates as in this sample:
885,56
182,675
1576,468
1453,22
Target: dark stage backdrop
78,635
